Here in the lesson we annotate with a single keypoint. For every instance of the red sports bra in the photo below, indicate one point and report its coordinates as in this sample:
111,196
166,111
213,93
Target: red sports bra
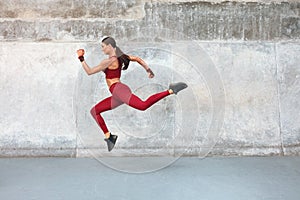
112,73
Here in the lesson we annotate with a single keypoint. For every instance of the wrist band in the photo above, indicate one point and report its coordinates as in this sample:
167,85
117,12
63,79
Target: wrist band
150,71
81,58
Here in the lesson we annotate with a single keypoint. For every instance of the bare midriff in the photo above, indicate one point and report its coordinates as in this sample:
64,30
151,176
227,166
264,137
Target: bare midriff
110,82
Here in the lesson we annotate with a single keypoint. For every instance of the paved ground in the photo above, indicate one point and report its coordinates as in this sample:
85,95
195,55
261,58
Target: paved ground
187,178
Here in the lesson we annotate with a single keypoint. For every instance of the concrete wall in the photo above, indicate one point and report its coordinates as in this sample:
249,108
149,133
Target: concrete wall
240,60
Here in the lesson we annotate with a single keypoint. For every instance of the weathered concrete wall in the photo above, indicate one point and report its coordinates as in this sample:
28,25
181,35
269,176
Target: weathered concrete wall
240,60
88,20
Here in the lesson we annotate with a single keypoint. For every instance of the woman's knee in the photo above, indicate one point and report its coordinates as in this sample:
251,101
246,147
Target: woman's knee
93,111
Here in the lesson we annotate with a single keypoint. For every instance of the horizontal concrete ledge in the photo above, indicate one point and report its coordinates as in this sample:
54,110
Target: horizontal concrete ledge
196,20
292,151
146,152
38,152
93,30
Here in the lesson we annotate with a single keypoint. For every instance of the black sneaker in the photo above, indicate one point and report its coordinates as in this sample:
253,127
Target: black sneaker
111,141
176,87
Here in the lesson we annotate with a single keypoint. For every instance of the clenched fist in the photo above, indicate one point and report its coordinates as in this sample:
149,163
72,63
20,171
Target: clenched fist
80,54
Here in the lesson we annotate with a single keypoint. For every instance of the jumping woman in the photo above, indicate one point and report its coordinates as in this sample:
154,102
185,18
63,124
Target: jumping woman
121,93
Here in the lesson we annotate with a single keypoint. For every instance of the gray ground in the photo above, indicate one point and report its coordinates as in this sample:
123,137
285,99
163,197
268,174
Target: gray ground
187,178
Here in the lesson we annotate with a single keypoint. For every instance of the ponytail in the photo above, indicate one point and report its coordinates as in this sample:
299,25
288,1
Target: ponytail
122,58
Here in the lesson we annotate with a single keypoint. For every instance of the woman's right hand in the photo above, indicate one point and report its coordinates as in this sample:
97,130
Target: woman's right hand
80,54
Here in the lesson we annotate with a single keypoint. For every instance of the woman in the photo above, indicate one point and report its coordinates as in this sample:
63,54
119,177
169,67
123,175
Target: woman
121,93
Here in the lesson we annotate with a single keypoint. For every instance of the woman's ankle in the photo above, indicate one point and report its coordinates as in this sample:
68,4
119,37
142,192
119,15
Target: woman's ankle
107,135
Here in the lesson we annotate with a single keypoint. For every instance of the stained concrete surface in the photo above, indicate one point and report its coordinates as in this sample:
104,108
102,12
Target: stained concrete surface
58,20
45,101
248,178
252,47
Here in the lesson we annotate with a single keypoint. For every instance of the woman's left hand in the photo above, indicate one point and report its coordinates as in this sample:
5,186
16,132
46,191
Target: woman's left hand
150,72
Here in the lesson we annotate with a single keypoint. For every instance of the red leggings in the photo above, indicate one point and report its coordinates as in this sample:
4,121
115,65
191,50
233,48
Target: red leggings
121,94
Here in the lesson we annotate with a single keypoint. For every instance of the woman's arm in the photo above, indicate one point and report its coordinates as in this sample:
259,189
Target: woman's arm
101,67
140,61
143,64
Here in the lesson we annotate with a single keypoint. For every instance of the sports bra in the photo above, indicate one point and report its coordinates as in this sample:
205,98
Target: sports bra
112,73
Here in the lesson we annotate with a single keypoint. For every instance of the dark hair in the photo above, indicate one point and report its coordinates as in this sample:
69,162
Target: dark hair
122,57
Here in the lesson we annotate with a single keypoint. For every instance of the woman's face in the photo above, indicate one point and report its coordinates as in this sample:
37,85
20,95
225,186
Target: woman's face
105,48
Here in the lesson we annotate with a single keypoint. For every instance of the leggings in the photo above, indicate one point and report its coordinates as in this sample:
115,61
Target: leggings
121,94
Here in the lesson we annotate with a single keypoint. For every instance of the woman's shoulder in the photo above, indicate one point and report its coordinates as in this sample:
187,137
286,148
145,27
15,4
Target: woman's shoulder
108,60
111,63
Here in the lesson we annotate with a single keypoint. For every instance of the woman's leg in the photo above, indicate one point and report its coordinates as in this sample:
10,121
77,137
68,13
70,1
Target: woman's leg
104,105
123,93
139,104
